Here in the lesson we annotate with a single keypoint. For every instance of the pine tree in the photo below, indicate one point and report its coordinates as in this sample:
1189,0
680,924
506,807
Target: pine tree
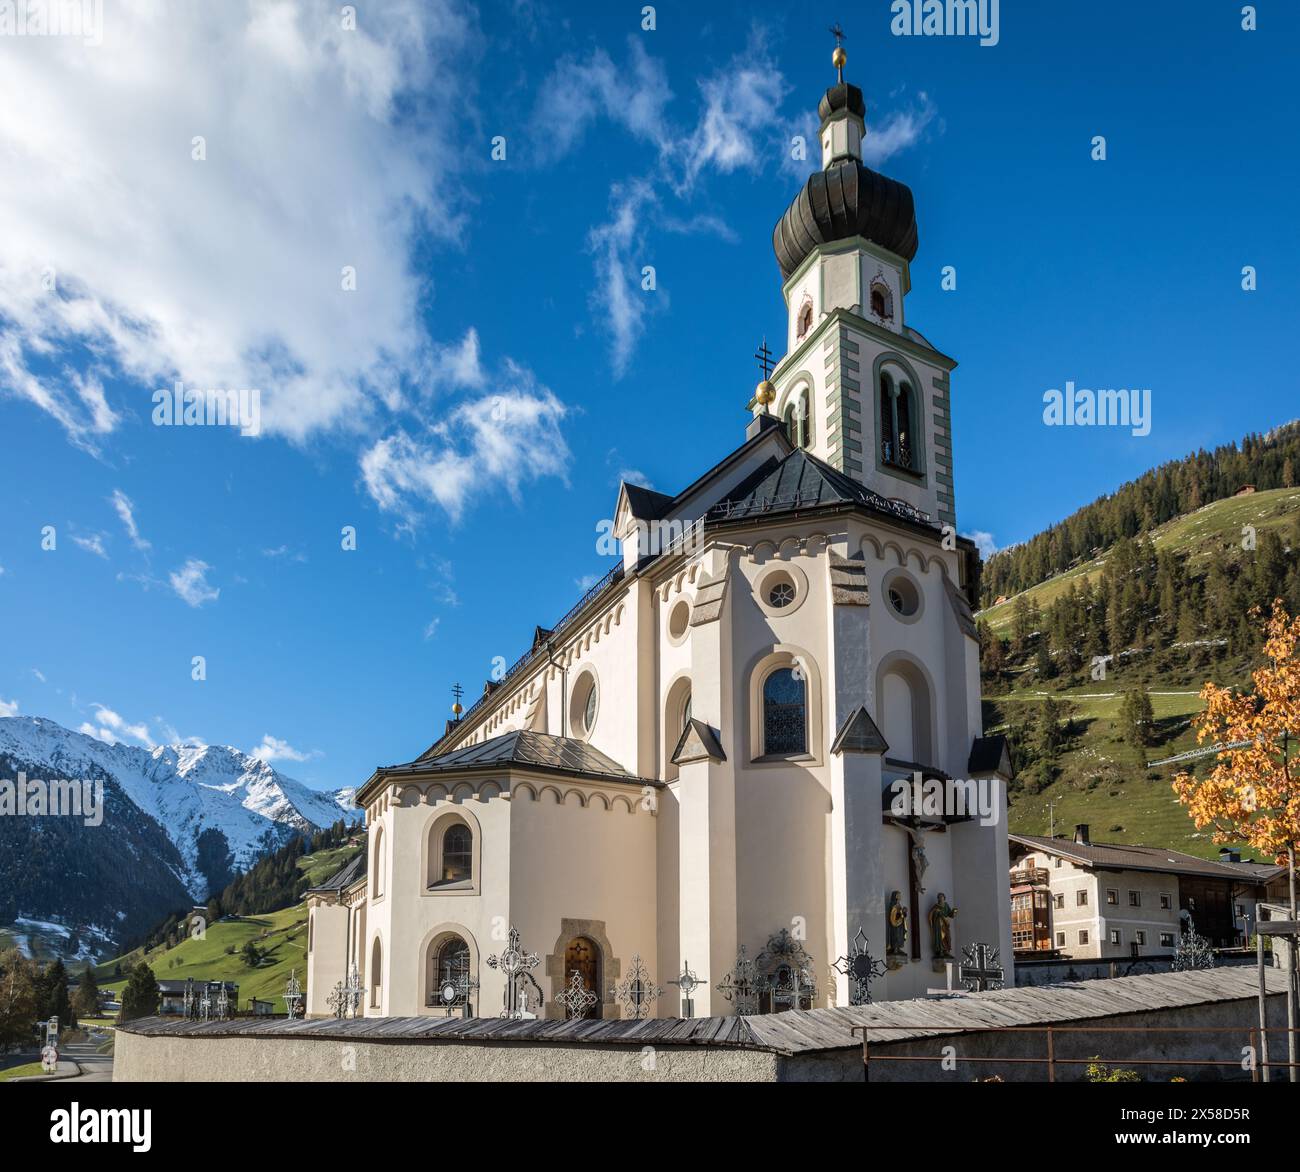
140,995
87,999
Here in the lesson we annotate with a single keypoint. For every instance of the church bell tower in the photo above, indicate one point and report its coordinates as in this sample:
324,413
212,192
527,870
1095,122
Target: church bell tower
858,386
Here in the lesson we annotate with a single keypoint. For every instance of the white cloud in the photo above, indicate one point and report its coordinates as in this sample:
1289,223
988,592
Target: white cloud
191,583
983,542
8,707
126,511
92,544
509,438
327,148
274,749
40,675
635,476
431,628
618,294
582,89
111,728
739,119
896,132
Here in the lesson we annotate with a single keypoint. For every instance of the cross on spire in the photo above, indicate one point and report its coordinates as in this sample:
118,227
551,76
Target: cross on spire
764,356
839,56
457,692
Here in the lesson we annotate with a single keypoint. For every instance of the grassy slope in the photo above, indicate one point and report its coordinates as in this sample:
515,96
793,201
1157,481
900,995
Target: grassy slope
281,935
1101,783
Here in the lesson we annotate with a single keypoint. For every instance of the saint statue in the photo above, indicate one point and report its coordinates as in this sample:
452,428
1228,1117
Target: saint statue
895,927
941,927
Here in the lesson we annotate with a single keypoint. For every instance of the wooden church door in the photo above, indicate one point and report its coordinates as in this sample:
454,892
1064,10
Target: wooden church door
582,956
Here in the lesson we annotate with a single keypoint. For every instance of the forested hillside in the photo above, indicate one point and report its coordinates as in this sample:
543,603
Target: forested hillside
1172,490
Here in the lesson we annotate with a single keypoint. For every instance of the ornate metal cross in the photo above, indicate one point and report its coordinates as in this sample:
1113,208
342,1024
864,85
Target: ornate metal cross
981,968
293,995
687,982
742,985
515,964
223,1002
786,971
457,990
764,356
861,968
576,998
637,992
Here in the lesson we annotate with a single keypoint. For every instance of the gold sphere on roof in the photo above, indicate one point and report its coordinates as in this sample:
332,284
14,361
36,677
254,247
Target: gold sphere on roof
765,392
456,710
839,57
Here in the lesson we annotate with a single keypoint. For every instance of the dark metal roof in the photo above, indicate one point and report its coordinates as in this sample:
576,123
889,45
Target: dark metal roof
987,753
841,97
847,199
645,503
1132,858
535,750
351,871
802,481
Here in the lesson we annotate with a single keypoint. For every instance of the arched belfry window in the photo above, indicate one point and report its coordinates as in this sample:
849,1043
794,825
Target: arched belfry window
798,420
805,320
897,418
457,853
785,713
882,302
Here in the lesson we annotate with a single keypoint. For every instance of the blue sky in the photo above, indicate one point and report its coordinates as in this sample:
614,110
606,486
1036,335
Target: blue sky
470,407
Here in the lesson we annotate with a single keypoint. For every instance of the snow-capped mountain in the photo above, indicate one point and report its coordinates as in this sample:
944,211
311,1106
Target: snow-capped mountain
217,809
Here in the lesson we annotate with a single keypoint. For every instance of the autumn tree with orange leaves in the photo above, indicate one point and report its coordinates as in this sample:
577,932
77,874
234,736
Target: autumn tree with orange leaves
1253,794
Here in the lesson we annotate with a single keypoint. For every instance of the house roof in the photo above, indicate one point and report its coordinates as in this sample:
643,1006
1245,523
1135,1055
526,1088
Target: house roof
1106,856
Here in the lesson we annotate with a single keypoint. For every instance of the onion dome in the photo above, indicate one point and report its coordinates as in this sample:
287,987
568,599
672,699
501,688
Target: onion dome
846,198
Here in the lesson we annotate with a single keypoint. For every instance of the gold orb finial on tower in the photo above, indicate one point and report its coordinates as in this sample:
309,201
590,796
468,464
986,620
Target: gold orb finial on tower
839,57
457,692
765,392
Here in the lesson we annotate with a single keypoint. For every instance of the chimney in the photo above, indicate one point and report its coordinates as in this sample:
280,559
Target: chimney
1081,833
1228,854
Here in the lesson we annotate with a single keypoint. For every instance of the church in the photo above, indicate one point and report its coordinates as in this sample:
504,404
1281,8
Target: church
679,800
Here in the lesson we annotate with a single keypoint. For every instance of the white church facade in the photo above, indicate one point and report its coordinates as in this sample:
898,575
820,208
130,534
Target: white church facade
693,768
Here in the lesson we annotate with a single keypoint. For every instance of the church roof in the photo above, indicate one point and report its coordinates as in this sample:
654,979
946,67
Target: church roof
533,750
645,503
348,874
844,200
802,481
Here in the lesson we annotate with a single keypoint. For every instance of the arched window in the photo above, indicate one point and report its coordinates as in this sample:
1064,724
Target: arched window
457,853
581,956
380,848
878,302
896,418
785,713
805,319
798,421
449,984
376,971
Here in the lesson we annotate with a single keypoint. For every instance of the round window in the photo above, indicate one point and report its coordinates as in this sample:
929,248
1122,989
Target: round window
903,597
589,708
781,594
679,619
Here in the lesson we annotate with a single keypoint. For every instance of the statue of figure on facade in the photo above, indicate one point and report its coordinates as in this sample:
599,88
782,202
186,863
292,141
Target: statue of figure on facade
895,927
941,927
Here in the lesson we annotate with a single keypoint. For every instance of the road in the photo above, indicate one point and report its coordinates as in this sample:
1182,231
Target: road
95,1067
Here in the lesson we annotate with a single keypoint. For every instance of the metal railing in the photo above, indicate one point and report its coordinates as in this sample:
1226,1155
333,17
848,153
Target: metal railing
1259,1060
